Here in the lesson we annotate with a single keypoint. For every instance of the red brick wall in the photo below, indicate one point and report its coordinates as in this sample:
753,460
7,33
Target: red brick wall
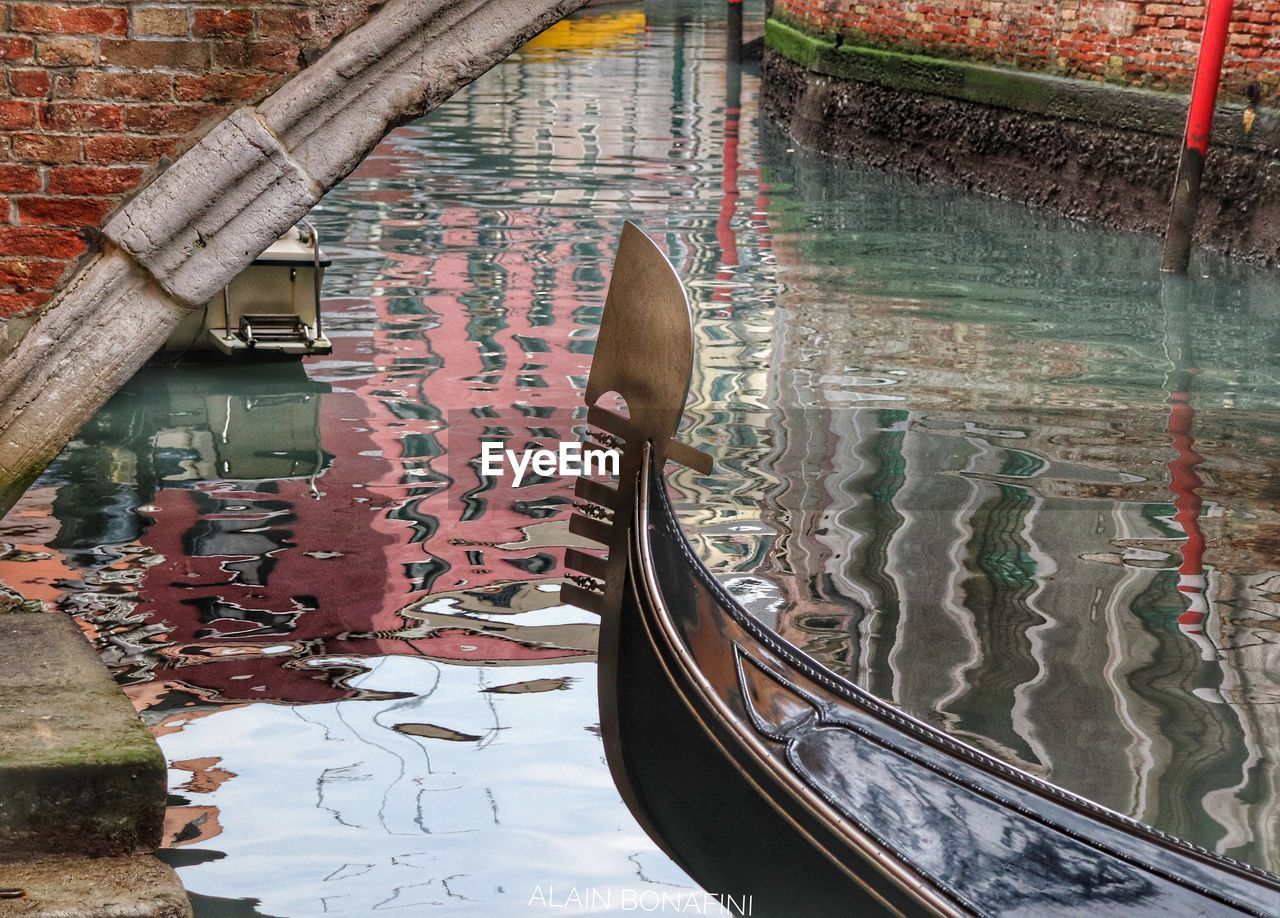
1133,42
94,97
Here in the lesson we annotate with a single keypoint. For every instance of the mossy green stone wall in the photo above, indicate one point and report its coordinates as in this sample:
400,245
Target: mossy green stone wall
1146,110
1128,42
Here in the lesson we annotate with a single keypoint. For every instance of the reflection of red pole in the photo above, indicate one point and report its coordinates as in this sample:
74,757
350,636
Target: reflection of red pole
725,235
727,238
1184,482
1204,94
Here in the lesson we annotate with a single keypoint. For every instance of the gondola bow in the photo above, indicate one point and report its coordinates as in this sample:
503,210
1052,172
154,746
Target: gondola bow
775,783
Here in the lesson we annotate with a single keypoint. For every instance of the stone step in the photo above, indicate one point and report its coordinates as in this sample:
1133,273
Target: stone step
130,886
79,772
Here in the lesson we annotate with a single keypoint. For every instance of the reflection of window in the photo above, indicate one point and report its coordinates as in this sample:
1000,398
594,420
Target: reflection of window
541,563
422,574
211,609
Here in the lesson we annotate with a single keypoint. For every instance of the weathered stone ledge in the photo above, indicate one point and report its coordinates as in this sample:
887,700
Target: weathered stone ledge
1090,151
82,782
123,886
79,772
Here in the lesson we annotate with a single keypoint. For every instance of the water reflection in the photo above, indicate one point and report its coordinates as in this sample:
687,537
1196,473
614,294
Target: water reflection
1030,492
962,454
348,640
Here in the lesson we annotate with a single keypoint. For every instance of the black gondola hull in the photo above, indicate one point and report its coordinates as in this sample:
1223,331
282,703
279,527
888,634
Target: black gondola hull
711,816
778,785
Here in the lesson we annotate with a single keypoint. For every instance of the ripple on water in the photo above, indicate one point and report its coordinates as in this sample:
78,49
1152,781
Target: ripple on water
969,455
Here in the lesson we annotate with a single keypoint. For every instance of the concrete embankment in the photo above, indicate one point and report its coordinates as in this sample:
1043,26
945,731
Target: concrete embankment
1089,150
82,783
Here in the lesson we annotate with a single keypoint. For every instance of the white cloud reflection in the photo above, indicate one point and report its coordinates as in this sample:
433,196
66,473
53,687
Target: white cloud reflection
333,811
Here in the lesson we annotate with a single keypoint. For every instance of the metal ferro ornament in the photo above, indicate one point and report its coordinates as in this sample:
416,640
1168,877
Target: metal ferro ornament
644,354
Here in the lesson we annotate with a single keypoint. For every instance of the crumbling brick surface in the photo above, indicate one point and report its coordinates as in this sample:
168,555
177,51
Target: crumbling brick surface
1133,42
97,98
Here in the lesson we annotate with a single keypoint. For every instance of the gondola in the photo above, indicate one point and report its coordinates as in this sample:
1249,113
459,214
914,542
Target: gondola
777,785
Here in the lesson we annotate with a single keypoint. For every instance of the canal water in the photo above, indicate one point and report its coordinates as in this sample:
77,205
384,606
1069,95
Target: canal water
978,459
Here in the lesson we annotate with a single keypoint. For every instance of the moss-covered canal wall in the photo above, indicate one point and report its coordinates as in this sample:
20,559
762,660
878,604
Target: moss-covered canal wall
1088,149
1151,43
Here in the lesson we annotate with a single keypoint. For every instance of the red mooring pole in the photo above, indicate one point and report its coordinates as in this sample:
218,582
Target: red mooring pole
1204,94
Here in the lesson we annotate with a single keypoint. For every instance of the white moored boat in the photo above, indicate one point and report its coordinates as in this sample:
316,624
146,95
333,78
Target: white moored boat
271,309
